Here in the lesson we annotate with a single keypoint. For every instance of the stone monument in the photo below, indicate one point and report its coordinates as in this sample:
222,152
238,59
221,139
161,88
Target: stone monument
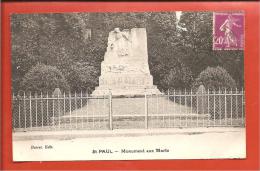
202,99
125,69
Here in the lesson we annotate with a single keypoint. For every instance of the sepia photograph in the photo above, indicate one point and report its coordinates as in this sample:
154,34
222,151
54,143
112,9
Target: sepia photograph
128,85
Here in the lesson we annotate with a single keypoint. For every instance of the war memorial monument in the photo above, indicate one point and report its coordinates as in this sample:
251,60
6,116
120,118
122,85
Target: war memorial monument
125,69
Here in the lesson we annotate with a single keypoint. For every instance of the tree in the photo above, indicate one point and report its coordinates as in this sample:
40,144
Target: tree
179,77
195,41
215,78
43,78
82,76
51,39
62,40
161,34
233,62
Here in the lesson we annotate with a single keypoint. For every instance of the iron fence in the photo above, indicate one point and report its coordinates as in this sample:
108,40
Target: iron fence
167,110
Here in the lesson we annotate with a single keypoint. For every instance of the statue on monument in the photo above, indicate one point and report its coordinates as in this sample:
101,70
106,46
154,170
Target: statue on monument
125,69
119,43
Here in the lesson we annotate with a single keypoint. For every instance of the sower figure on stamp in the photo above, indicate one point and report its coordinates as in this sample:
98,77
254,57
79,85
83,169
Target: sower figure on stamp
227,27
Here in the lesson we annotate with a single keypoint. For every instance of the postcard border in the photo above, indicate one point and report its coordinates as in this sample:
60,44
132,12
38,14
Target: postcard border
251,67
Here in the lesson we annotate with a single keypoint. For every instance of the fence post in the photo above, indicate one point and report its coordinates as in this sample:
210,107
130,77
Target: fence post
64,107
104,108
19,110
180,110
98,112
70,108
209,115
163,110
87,108
24,110
214,107
242,107
42,110
76,109
157,108
13,114
30,110
47,109
53,120
110,111
36,109
197,110
225,106
231,107
174,107
168,110
236,105
93,113
220,106
146,110
82,124
191,104
186,110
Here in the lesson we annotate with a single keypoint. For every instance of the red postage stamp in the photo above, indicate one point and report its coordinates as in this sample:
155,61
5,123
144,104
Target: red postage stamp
228,31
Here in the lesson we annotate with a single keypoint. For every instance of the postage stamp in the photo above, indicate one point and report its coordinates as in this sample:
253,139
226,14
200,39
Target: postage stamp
228,31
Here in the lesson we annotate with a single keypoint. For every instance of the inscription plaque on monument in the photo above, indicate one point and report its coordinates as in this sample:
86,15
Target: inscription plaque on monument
125,69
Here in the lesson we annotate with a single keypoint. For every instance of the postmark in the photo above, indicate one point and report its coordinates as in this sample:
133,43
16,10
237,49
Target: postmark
228,31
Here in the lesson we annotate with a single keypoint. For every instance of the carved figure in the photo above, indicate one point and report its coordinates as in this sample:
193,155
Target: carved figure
119,43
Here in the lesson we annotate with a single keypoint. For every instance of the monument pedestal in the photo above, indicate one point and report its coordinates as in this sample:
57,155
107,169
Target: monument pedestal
100,91
125,84
125,69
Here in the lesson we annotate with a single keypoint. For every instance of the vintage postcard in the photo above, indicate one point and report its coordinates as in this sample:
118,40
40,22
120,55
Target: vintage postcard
128,85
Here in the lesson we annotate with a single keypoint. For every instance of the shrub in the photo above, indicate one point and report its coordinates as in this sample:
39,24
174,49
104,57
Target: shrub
214,78
179,77
43,78
82,76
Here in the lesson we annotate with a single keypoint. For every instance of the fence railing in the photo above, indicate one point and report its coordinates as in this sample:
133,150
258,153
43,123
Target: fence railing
171,109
